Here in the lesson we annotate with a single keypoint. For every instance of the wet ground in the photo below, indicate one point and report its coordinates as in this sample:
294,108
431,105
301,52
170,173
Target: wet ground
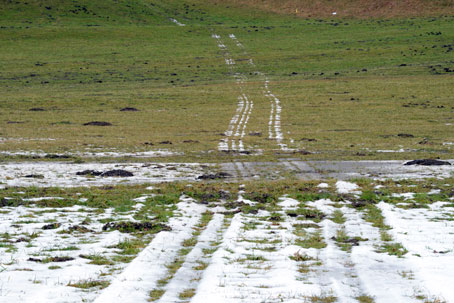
342,170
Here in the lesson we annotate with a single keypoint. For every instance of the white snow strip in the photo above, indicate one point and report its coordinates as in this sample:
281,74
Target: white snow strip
141,275
274,124
177,22
186,275
238,43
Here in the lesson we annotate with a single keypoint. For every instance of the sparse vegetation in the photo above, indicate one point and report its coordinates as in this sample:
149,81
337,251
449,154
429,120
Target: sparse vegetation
87,284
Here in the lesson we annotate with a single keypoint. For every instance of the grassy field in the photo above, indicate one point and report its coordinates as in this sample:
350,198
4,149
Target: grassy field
349,88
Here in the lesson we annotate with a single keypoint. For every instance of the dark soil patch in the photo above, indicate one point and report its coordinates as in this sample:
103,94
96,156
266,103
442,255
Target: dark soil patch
51,226
236,204
260,197
117,173
311,214
352,241
256,134
35,176
129,227
80,229
275,218
308,139
129,109
405,135
165,142
52,259
428,162
15,122
360,203
37,109
54,156
191,141
89,172
98,123
220,175
10,202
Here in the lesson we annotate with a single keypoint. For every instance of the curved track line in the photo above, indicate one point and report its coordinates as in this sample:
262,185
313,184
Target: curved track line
274,124
238,123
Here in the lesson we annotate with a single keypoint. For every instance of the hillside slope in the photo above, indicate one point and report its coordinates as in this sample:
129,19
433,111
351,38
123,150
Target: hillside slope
76,12
351,8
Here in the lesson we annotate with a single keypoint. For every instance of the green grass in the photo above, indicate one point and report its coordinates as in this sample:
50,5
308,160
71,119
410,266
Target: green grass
338,217
311,240
136,57
365,299
187,293
87,284
97,259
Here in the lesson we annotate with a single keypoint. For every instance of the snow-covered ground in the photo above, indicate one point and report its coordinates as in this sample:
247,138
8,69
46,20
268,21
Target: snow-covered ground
315,251
63,174
94,153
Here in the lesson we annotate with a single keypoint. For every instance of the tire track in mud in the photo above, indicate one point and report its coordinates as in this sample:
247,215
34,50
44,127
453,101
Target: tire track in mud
236,130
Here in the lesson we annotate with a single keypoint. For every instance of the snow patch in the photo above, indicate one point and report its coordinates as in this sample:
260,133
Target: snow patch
344,187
